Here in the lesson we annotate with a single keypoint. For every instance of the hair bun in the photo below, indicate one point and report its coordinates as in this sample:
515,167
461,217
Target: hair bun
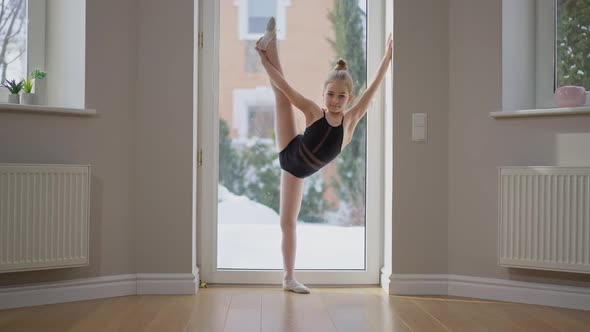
341,65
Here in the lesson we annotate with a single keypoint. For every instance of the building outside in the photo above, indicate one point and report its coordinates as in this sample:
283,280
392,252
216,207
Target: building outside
246,100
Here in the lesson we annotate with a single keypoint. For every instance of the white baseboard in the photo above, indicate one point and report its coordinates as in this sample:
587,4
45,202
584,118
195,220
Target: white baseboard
418,284
384,280
162,283
98,288
491,289
396,284
68,291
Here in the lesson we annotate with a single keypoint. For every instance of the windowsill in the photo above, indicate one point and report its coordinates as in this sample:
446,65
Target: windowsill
19,108
542,112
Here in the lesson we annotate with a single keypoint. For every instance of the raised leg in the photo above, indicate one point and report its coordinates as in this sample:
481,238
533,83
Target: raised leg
285,121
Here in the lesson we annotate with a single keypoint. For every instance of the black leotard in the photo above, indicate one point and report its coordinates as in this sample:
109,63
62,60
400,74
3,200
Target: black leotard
308,153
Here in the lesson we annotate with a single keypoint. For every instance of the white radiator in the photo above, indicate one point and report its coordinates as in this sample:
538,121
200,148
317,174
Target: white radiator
44,213
544,218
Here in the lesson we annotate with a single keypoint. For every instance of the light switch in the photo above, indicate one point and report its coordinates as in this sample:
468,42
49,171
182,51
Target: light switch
419,119
419,125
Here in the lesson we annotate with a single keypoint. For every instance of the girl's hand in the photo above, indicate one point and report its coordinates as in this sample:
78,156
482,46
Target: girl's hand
389,47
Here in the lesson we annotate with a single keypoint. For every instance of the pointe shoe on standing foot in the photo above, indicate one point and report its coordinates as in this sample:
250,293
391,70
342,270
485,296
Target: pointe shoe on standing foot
269,35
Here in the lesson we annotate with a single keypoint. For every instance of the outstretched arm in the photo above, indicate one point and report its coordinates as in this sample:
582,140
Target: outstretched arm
359,109
302,103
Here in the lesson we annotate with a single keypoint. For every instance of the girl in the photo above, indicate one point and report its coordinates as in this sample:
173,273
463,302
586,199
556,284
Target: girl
328,130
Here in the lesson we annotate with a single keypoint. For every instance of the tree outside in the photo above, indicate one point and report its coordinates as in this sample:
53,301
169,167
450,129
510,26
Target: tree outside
13,39
573,43
251,168
349,44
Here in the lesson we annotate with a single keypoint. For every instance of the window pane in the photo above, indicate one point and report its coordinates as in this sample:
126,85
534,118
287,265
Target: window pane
13,40
573,43
260,121
257,24
331,223
251,62
259,11
262,7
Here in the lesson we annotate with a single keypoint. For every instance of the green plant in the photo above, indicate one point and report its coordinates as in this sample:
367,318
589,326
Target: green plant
38,74
13,87
28,85
252,170
572,43
314,204
230,165
261,178
347,20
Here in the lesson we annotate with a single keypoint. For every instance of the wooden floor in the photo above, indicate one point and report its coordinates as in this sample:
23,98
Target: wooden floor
271,309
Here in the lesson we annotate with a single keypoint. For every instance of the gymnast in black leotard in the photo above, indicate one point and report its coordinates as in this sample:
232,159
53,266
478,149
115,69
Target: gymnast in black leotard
328,130
308,153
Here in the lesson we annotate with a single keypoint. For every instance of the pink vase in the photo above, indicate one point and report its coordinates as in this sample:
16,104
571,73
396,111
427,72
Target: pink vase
570,96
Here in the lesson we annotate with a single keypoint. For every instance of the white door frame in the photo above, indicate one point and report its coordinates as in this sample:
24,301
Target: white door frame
207,141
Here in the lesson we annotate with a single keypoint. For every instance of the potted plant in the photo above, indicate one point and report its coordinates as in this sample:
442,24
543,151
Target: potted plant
28,97
40,86
14,89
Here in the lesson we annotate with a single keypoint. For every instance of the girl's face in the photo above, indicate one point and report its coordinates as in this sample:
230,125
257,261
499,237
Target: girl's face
336,96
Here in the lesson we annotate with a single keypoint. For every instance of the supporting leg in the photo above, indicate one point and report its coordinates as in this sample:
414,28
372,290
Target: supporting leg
291,194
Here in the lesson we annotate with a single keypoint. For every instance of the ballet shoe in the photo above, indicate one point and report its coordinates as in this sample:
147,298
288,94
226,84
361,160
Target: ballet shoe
295,286
269,35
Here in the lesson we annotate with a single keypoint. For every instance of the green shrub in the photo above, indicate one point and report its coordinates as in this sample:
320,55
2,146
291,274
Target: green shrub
252,169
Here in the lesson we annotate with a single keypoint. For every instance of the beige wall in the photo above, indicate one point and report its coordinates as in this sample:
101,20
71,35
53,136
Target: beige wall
105,141
479,144
447,64
164,137
420,170
139,144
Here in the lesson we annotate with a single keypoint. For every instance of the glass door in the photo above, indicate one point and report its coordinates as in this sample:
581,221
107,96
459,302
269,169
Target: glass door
338,228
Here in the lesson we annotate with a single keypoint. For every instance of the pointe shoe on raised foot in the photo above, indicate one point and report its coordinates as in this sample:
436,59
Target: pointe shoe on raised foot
295,286
269,35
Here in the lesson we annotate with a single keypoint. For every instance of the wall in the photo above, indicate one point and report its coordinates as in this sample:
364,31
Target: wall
479,144
139,79
420,170
104,141
164,137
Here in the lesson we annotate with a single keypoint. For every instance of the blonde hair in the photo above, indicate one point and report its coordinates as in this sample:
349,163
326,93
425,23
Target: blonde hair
340,72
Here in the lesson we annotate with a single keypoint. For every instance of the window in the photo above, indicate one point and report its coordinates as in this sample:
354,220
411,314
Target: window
53,39
545,45
22,41
254,14
572,44
13,48
342,208
261,121
562,48
252,62
259,12
253,110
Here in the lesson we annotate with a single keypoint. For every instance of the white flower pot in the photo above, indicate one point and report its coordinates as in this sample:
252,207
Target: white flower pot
27,99
14,99
40,89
